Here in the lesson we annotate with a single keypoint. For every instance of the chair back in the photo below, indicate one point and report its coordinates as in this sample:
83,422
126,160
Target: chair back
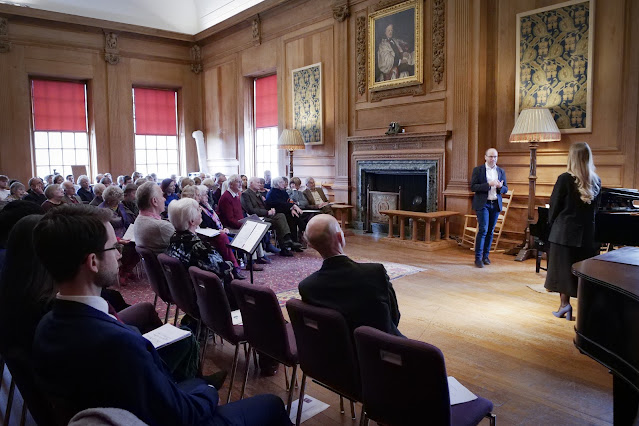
264,324
325,347
153,270
214,306
179,282
402,379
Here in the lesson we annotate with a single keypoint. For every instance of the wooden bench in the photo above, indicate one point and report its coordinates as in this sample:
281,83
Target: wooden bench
437,217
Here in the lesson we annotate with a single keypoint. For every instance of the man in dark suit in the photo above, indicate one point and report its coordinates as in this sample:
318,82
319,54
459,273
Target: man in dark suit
86,358
361,292
36,191
488,182
252,203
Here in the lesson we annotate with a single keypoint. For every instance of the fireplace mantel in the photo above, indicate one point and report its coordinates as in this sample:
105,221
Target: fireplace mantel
403,146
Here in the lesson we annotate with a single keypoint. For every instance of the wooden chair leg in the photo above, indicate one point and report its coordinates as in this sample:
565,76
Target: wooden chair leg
341,404
233,369
246,371
352,410
300,401
290,395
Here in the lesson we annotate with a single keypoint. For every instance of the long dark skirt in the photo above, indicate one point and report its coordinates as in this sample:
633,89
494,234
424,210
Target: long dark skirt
559,277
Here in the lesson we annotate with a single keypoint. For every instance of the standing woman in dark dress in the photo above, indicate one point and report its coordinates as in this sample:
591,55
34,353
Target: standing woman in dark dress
573,204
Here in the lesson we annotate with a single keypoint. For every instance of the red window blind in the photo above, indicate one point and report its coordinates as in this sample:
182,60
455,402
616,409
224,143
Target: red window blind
155,112
266,102
59,106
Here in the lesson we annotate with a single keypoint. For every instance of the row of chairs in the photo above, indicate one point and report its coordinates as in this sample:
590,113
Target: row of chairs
398,380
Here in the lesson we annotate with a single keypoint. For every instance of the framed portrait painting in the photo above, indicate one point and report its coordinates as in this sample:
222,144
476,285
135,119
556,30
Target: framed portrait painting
554,63
395,46
307,103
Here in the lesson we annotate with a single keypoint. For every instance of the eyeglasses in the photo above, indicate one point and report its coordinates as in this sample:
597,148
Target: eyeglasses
116,246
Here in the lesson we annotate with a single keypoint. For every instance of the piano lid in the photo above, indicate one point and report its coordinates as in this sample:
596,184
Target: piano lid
622,277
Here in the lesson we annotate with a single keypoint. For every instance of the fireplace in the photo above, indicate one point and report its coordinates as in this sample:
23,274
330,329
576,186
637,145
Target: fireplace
383,164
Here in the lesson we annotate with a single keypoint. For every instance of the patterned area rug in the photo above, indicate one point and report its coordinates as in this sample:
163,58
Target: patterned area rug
283,275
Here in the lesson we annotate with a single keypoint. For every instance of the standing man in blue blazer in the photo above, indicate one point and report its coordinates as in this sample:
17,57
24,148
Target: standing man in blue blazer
488,183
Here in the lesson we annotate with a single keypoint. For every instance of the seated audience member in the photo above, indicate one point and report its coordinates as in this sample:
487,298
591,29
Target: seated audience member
106,181
55,197
48,180
361,292
184,182
58,179
4,187
98,190
210,185
220,178
168,189
126,180
316,197
253,203
267,179
121,219
129,200
70,196
263,191
120,181
140,181
279,200
211,220
98,177
70,178
12,213
85,192
135,176
150,230
187,246
244,182
84,357
16,192
35,193
197,180
107,174
154,177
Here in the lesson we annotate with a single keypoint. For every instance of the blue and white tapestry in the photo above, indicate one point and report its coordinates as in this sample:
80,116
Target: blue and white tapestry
555,63
307,103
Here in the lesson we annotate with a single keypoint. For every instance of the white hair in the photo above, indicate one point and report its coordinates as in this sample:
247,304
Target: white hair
98,189
255,179
275,182
182,212
113,193
83,177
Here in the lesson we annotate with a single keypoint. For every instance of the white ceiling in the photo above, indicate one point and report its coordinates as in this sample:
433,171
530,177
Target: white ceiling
182,16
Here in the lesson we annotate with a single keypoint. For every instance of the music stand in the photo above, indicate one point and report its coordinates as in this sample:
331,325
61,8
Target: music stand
248,237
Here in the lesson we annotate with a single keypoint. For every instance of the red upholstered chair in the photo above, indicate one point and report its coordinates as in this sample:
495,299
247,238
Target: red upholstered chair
157,280
266,330
404,380
216,314
326,352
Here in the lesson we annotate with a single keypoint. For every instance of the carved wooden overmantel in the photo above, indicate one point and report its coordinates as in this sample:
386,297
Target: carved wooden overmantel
403,146
5,45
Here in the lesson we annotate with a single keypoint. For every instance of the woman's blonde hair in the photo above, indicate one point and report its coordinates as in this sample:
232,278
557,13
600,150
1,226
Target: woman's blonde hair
581,166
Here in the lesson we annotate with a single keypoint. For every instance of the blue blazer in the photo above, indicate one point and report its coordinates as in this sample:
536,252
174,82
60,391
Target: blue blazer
84,358
479,185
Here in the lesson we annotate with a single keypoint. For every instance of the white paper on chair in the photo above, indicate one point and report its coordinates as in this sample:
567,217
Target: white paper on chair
310,408
458,392
129,234
165,335
236,317
208,232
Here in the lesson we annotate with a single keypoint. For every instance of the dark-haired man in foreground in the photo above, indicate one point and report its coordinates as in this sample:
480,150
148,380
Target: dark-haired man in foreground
361,292
86,358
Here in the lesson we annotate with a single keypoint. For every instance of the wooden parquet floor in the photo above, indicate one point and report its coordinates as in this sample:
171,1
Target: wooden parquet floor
498,336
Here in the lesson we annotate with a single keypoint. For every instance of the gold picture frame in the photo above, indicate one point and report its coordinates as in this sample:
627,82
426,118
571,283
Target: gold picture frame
395,55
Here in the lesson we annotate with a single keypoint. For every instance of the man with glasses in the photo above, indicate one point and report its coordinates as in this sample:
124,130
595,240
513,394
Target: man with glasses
488,182
86,358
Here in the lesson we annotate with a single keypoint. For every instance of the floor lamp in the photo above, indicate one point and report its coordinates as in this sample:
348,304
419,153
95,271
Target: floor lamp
533,125
290,140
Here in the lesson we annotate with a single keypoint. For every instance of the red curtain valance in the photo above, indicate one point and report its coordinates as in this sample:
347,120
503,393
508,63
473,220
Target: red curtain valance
59,106
155,112
266,102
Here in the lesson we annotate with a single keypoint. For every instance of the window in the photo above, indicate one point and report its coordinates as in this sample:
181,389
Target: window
266,152
60,137
155,127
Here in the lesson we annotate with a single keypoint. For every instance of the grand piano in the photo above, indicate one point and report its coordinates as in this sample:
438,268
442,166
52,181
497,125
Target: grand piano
607,327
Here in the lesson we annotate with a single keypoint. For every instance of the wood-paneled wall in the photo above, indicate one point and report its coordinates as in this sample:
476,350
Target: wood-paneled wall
42,48
474,101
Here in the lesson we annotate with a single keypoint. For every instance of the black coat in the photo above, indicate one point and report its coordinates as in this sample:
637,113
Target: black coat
479,185
361,292
572,222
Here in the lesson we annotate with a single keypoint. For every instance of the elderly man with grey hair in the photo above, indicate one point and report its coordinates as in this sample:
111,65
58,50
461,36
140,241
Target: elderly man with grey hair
98,190
70,196
316,197
150,230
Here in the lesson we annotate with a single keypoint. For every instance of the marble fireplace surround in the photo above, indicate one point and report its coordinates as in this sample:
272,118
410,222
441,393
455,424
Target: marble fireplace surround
421,153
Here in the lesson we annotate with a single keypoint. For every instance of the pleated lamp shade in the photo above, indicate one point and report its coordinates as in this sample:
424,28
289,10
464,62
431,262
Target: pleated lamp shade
291,140
535,125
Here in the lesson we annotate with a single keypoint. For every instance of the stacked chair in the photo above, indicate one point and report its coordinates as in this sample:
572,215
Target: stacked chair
157,281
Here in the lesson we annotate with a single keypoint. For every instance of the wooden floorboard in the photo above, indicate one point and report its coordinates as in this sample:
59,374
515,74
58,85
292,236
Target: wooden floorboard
498,336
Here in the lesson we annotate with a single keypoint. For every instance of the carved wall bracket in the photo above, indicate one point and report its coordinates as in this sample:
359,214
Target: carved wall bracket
111,51
400,91
439,34
341,10
5,45
257,30
361,54
196,59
